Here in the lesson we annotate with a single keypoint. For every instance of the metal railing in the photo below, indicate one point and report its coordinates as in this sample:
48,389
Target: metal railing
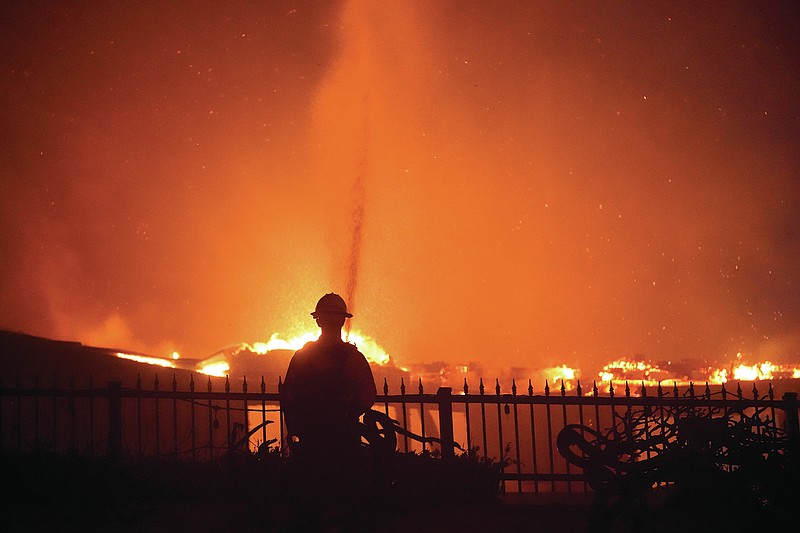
517,430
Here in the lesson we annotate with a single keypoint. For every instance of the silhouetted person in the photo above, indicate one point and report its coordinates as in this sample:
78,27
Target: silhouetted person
329,385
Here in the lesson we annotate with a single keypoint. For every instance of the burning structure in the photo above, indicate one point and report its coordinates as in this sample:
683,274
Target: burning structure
270,360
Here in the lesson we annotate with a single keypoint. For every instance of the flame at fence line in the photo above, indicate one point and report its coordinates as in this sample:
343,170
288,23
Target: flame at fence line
614,373
635,371
212,427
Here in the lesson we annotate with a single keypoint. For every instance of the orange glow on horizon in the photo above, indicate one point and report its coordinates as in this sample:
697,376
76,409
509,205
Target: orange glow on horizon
638,372
616,373
532,181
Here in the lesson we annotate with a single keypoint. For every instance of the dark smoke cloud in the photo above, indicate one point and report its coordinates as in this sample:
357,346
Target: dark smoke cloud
542,184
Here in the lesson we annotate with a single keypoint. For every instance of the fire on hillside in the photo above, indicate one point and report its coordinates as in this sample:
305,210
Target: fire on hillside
271,359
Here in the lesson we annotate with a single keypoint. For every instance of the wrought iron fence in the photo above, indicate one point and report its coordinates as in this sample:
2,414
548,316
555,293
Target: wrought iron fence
198,422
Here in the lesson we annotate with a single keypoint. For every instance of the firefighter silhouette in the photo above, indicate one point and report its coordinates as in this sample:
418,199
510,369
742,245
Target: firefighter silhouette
329,385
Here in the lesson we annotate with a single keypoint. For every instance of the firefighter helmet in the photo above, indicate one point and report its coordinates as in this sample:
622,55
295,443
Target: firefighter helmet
331,304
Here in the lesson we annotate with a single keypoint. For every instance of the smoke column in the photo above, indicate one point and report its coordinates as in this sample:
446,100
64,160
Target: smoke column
359,196
344,115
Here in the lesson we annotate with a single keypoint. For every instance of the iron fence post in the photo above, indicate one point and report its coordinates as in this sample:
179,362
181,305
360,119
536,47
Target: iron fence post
445,401
114,419
790,409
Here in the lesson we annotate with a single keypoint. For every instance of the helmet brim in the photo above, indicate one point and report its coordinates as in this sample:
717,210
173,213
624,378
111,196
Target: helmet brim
317,314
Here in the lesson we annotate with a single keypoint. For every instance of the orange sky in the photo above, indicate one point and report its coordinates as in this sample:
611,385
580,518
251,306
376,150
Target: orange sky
537,184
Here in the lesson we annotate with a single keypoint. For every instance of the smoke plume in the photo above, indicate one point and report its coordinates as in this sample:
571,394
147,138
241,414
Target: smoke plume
530,184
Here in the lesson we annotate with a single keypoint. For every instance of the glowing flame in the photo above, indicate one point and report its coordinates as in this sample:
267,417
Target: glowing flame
560,373
219,366
277,343
651,375
218,369
755,372
166,363
258,347
620,370
625,365
718,376
371,349
606,376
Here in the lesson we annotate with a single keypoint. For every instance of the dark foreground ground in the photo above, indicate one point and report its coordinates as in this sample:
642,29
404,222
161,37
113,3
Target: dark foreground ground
47,493
248,516
251,516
